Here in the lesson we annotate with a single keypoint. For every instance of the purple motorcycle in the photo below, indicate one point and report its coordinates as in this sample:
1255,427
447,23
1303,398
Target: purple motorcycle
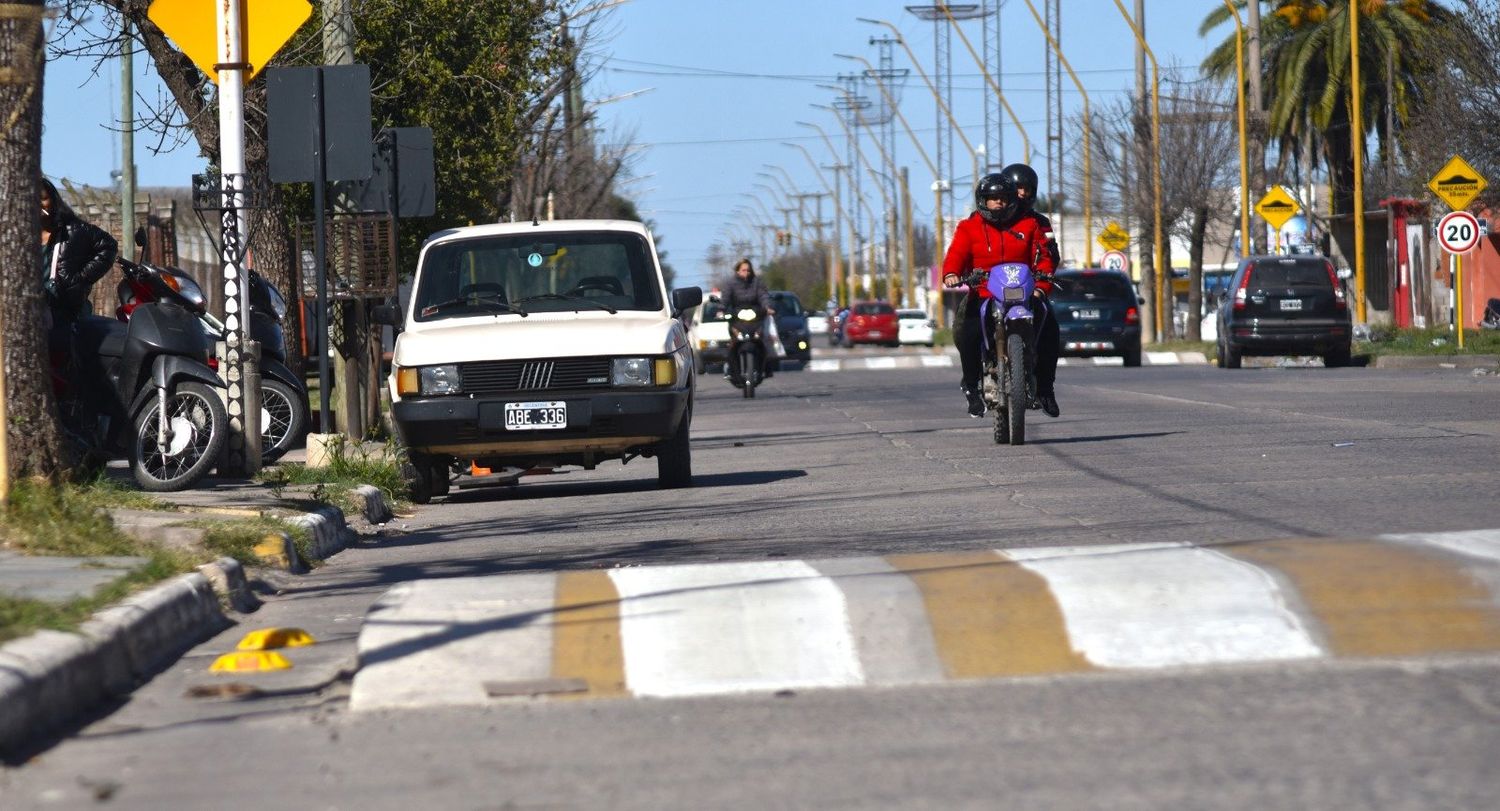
1010,347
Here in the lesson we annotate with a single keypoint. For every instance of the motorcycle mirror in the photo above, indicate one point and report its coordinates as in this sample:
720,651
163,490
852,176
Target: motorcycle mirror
140,243
386,314
686,298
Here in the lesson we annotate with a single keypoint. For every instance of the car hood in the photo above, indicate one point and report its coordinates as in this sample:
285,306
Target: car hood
541,335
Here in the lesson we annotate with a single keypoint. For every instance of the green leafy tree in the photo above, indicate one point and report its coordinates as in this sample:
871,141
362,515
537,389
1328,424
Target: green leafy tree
1305,47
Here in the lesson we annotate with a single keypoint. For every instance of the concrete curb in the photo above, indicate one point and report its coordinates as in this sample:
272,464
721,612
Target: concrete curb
375,508
1436,361
51,677
330,532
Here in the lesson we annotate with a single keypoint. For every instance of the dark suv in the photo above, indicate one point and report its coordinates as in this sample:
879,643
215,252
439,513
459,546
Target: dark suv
1097,313
791,326
1284,305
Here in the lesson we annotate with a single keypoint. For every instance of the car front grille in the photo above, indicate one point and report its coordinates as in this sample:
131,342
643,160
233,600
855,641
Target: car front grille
561,374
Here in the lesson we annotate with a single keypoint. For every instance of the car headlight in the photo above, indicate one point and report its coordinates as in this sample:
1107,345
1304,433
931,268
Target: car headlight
442,379
630,372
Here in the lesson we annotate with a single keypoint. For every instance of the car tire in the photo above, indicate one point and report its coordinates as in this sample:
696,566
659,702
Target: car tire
417,473
1230,356
674,458
1133,357
1338,357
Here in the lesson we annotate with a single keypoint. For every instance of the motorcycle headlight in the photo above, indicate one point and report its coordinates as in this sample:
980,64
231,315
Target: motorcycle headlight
630,372
746,314
442,379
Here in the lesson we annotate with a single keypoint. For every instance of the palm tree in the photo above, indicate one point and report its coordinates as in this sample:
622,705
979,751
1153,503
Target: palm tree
1306,74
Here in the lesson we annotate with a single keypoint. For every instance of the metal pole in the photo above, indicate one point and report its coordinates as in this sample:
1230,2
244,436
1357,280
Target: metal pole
1156,263
1088,184
1239,86
320,253
1458,297
911,261
1357,144
243,457
127,140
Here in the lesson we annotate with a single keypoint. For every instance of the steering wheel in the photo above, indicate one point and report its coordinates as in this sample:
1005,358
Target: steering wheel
482,288
602,284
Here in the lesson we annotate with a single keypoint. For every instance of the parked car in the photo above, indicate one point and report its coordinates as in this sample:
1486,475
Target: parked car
1098,314
541,345
871,322
915,327
792,325
1285,305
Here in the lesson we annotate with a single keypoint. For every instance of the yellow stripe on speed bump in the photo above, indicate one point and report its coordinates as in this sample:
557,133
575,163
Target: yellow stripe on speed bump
586,633
990,616
1383,599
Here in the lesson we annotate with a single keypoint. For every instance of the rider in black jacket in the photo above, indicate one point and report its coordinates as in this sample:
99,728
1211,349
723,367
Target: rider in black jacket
746,290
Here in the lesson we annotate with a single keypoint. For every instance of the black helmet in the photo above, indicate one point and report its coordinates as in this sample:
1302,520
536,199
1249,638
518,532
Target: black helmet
1025,179
998,187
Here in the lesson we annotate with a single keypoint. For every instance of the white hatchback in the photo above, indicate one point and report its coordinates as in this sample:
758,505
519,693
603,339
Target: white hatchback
915,327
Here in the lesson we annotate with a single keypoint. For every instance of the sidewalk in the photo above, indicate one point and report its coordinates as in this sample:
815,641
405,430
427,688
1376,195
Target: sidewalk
49,678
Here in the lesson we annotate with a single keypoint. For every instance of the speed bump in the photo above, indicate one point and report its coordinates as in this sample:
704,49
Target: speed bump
249,661
271,638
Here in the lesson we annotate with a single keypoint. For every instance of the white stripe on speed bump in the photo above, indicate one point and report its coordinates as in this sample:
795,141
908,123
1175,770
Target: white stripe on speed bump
1162,358
1478,543
1160,605
822,366
728,628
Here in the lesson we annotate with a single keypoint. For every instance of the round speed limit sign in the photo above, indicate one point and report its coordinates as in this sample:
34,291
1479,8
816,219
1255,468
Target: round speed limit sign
1458,232
1115,260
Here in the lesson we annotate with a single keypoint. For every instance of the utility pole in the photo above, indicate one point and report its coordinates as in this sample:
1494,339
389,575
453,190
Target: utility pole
910,264
994,133
1257,125
1147,262
127,140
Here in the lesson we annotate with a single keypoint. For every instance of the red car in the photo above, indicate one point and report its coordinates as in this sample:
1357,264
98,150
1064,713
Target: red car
872,322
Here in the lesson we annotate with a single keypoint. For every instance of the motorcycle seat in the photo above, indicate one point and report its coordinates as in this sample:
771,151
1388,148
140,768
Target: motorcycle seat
101,336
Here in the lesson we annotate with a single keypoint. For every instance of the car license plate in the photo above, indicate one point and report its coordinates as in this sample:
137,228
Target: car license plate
1090,315
1291,304
536,416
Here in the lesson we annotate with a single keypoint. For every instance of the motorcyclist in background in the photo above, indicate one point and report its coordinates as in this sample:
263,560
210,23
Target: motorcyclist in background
1004,228
747,290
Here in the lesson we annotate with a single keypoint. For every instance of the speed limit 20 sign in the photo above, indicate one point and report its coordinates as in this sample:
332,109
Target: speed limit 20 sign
1458,232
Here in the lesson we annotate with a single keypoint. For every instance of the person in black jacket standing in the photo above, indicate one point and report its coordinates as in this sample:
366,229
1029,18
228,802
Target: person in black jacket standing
75,255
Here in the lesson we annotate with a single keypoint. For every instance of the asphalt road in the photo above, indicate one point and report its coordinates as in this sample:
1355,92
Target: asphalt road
854,465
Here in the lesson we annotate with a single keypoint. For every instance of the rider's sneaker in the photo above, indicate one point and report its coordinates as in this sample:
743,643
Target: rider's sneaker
976,402
1049,405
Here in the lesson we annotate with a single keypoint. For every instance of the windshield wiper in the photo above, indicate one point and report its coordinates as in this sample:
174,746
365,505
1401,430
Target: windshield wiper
486,299
565,297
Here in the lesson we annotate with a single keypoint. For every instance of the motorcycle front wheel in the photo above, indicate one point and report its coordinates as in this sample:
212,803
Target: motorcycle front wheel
1015,388
198,430
748,365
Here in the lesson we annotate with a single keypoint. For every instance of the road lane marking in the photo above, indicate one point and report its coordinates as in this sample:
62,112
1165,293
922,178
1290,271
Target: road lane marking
892,635
437,642
586,633
733,627
822,366
1163,605
989,616
1383,599
1162,358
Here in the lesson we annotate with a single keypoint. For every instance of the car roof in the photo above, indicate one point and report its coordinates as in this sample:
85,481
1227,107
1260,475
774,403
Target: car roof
539,227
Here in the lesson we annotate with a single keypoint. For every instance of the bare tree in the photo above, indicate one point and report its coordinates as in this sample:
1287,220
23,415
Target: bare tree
35,439
1462,110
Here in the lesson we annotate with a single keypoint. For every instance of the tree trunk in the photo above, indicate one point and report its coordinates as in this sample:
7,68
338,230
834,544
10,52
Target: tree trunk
35,437
1195,275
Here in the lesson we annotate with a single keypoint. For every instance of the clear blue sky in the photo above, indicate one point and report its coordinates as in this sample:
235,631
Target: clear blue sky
727,81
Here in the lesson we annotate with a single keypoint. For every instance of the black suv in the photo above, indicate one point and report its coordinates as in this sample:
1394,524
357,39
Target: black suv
791,325
1284,305
1098,313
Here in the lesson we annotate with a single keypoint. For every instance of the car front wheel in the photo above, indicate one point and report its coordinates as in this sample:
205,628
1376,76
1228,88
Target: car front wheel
674,458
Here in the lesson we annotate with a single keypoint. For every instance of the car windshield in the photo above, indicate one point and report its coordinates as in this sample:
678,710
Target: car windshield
873,309
911,315
714,311
786,303
1091,287
540,273
1290,273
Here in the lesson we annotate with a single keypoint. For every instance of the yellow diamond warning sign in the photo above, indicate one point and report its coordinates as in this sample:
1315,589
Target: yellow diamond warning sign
1277,207
1114,238
1457,183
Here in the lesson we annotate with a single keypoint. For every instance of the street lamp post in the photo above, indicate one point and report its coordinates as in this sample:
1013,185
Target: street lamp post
1088,124
835,267
1158,296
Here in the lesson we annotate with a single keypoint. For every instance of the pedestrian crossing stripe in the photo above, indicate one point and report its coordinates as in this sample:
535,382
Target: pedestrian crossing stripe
881,363
764,626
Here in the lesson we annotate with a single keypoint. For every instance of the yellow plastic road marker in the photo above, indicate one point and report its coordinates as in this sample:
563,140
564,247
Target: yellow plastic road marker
269,638
249,661
1383,599
586,634
990,616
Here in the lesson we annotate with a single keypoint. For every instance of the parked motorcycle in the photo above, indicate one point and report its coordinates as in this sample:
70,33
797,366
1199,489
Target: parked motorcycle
745,330
143,390
1010,347
283,402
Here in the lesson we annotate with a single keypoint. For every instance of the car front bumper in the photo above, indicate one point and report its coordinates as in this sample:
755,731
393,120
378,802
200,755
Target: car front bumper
602,424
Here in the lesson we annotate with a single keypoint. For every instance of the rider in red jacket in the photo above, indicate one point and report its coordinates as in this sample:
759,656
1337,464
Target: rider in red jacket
1003,228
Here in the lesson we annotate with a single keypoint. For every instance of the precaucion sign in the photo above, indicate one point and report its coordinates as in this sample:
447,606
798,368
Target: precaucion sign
1277,207
1457,183
1114,238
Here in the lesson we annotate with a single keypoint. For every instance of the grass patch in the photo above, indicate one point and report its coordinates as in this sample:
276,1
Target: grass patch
238,539
943,336
349,464
20,616
1176,345
66,520
1386,340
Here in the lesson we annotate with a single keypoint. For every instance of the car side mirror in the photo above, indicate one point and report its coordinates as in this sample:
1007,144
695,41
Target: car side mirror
386,314
686,298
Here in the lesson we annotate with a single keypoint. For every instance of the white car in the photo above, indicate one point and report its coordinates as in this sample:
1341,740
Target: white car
914,327
817,323
711,334
546,344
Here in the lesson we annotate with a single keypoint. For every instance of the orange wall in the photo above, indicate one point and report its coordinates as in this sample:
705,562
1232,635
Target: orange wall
1482,272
